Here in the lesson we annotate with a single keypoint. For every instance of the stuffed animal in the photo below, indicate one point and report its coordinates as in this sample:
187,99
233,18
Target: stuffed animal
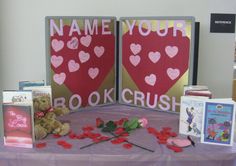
45,121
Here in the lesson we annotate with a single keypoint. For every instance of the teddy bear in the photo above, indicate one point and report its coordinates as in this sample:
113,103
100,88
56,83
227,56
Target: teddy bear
45,121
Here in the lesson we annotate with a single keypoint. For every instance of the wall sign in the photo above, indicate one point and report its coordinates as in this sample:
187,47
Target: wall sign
81,59
155,61
222,23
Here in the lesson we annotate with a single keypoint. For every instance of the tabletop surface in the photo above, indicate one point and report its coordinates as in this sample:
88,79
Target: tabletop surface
107,153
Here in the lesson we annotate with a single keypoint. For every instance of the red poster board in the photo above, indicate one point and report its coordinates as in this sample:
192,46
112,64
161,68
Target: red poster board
81,60
155,61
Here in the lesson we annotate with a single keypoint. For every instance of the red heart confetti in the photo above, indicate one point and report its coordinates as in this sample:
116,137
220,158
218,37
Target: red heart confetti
162,137
41,145
56,136
99,123
88,128
127,146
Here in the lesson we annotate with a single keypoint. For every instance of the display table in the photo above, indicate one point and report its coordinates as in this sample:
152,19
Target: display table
115,155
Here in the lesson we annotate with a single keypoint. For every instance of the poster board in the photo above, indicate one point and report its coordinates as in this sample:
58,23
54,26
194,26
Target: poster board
156,55
81,60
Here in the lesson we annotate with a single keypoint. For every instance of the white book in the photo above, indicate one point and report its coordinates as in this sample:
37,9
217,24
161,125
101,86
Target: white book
18,118
191,112
39,91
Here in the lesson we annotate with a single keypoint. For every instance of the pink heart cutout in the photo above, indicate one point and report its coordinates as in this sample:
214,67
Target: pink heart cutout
154,56
93,72
83,56
73,66
135,48
56,60
179,142
173,73
171,51
99,51
134,59
57,45
59,78
73,43
86,40
151,79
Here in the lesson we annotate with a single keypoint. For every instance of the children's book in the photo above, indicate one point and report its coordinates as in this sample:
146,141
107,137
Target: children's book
197,90
191,111
23,84
218,122
40,91
18,123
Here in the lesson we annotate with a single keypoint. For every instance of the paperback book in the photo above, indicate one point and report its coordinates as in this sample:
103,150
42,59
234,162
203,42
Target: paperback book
191,111
23,84
218,122
197,90
40,92
17,112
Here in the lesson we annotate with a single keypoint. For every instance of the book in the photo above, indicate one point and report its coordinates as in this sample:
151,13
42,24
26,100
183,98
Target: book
40,91
218,122
18,120
197,90
191,112
23,84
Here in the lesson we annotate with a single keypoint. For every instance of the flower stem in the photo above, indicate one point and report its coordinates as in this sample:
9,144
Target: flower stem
116,136
101,141
134,144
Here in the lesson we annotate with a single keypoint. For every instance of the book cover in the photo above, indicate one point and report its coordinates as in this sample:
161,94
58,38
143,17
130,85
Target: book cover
191,112
218,123
40,91
17,112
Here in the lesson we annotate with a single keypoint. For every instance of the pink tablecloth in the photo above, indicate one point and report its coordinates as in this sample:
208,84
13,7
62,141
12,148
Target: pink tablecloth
115,155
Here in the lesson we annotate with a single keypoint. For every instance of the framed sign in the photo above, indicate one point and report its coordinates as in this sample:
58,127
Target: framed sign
222,23
81,60
155,60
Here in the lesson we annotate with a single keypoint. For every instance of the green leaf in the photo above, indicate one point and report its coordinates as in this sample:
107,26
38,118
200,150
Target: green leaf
133,123
125,125
111,126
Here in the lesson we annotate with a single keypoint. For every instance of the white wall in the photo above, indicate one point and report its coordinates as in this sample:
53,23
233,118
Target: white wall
22,34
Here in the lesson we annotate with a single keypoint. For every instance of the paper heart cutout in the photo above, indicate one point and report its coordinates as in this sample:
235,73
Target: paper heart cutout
99,51
134,59
59,78
154,56
73,66
57,45
93,72
73,43
86,40
151,79
56,61
83,56
173,73
180,142
135,48
171,51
